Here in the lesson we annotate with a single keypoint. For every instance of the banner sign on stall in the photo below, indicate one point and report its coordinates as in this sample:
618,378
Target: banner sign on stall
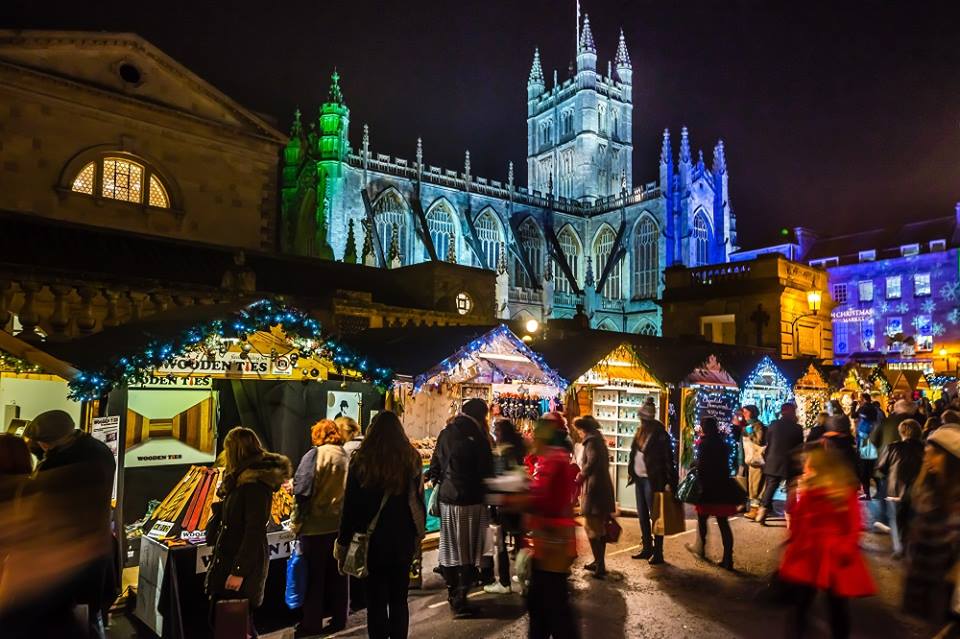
718,403
160,530
280,545
107,430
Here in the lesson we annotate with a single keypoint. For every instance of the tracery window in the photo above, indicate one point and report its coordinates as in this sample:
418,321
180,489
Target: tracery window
440,224
570,247
531,243
391,213
488,232
646,328
646,259
602,248
701,240
120,178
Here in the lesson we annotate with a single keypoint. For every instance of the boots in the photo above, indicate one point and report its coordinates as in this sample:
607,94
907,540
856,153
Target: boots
466,577
657,557
599,565
762,516
753,513
452,576
727,562
698,549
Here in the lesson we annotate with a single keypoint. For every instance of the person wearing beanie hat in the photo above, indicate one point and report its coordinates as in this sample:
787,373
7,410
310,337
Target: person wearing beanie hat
462,461
48,428
933,543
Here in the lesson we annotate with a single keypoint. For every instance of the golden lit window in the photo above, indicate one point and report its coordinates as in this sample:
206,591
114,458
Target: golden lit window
123,179
158,195
83,183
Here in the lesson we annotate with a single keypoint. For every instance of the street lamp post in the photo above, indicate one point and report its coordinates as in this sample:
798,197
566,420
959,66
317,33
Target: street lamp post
814,300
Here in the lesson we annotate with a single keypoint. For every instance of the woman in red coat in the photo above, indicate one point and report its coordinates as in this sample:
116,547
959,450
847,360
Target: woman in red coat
823,551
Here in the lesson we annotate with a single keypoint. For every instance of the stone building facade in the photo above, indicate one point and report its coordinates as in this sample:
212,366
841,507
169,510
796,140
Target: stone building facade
580,234
107,130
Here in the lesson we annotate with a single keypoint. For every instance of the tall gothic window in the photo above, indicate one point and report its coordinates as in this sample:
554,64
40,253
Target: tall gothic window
531,243
701,240
570,247
440,224
566,174
488,232
602,248
646,259
602,118
391,213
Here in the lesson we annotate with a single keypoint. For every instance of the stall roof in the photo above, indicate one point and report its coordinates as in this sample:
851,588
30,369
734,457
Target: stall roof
572,357
411,351
742,365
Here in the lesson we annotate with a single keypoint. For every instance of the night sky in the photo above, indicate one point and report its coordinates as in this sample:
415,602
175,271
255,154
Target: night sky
836,115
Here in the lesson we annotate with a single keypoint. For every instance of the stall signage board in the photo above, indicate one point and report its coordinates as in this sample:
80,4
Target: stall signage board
229,364
160,530
280,545
718,403
107,430
169,380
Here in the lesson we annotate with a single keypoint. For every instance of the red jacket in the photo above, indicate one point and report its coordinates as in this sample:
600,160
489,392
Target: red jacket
823,549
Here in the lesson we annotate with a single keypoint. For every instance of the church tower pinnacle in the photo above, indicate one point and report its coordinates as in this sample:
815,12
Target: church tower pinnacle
624,67
535,83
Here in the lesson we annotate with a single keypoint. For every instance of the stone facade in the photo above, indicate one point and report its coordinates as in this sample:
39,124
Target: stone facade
69,101
579,235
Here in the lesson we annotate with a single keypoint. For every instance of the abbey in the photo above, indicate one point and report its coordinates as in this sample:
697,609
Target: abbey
579,237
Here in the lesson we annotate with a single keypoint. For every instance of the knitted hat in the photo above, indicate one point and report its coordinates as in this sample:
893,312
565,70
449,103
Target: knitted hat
648,411
947,439
50,426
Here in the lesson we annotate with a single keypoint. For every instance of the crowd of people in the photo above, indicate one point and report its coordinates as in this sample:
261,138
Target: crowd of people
508,508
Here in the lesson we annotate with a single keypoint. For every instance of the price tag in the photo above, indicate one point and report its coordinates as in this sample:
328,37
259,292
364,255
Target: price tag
160,530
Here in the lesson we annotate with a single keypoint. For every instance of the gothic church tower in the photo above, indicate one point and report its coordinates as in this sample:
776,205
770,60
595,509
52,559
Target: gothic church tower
579,133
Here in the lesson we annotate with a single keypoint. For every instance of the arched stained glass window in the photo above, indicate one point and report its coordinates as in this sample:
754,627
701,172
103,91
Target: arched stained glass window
490,236
570,247
646,328
701,240
602,248
646,259
123,179
440,224
531,243
391,213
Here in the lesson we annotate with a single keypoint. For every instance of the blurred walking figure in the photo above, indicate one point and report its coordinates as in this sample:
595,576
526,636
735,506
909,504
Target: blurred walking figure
549,511
838,438
886,433
900,466
720,494
822,550
319,485
597,504
784,439
385,481
819,429
238,527
461,462
651,469
933,538
754,444
510,453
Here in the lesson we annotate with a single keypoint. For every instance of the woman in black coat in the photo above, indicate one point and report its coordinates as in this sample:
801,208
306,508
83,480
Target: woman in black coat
385,483
238,529
720,494
651,469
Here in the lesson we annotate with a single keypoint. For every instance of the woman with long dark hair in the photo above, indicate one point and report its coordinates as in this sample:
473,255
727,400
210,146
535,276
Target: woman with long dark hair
238,529
597,504
386,482
651,470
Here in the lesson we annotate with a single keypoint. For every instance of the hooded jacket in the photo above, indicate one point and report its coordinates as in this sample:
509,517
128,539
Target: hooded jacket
238,529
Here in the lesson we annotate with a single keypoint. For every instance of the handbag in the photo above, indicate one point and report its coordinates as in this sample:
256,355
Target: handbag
868,450
296,579
689,490
668,512
613,531
433,504
355,562
231,619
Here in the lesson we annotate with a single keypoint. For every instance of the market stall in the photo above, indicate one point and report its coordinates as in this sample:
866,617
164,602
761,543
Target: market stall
28,389
856,379
611,382
765,386
810,389
906,383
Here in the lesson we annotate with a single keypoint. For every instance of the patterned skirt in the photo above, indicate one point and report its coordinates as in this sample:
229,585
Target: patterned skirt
464,534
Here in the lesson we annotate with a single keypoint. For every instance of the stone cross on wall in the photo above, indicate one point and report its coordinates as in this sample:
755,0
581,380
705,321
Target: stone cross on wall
760,318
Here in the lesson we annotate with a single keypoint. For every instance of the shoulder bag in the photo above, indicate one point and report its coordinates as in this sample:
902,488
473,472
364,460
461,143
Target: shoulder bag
689,490
355,562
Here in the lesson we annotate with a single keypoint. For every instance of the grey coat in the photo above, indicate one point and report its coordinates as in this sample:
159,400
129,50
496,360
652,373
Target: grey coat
596,498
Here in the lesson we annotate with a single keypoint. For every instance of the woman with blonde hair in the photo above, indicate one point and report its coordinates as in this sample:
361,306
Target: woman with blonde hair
318,487
238,529
822,550
350,430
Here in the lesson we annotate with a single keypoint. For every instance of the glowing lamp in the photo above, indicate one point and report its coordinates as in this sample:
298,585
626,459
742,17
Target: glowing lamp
943,352
532,326
813,300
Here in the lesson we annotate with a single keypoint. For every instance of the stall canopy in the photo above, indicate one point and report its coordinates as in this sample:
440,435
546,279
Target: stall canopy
259,340
905,382
763,384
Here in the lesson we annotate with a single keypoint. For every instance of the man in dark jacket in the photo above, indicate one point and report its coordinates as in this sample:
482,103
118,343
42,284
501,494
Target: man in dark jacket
461,462
784,439
886,433
75,480
900,465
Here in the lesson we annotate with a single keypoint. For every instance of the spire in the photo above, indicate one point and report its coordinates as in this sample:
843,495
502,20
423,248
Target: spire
336,95
623,57
466,164
419,151
588,278
296,130
366,139
684,145
366,253
536,71
548,271
350,251
452,247
719,159
502,257
666,150
586,36
510,174
394,258
550,185
700,163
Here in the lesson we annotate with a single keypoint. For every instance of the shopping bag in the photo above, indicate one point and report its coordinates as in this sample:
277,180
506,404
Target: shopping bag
433,504
668,514
689,489
613,531
231,619
296,579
